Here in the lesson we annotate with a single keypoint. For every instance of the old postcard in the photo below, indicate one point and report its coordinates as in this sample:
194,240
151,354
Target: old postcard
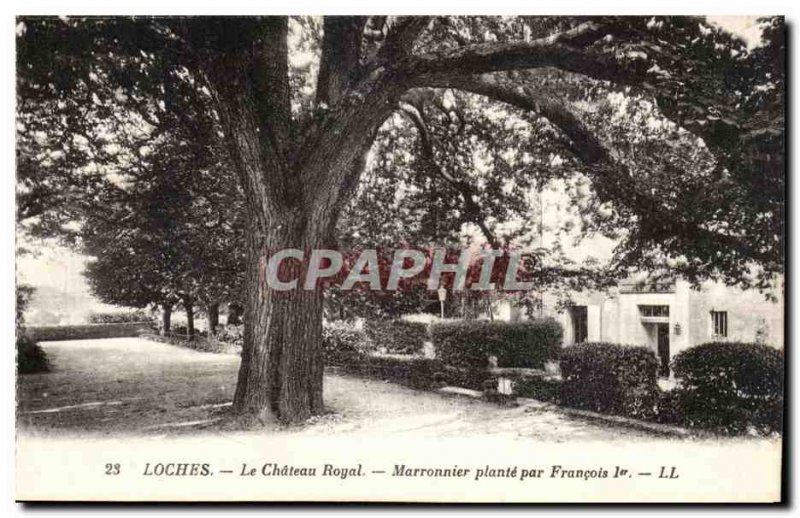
400,258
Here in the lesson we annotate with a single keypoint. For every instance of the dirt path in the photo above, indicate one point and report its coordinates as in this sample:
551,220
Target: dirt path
129,386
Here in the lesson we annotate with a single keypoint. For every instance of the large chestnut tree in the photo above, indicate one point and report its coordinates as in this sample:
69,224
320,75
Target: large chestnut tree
299,103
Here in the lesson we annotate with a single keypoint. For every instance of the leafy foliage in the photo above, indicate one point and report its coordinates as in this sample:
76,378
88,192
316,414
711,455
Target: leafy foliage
515,344
538,386
119,318
609,378
24,293
134,177
31,358
414,372
695,108
173,226
731,386
341,340
231,334
702,138
397,336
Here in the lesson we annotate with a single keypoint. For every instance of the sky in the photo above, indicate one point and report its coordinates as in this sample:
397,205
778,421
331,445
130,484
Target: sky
743,26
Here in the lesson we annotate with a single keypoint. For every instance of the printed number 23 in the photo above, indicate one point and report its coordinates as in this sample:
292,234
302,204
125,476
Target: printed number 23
112,469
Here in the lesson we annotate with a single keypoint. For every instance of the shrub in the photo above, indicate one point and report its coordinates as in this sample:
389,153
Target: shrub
231,334
542,387
198,343
341,340
87,331
468,344
30,357
24,295
669,409
397,336
610,378
138,315
181,330
731,387
471,378
411,371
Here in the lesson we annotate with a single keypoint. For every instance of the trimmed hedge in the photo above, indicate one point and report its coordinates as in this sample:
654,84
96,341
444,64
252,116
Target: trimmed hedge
610,378
31,358
469,343
669,409
88,331
731,387
198,343
397,336
341,340
470,378
138,315
411,371
542,387
182,330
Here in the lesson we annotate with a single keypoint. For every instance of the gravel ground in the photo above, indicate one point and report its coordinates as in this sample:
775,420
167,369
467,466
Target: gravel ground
130,386
139,402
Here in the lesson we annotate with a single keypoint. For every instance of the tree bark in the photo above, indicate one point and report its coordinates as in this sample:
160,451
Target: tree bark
280,376
166,319
295,182
188,305
213,318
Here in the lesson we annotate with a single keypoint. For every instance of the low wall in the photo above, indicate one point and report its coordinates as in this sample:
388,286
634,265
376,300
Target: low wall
88,331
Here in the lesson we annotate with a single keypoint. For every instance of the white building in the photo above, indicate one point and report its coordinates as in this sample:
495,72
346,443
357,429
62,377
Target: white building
666,318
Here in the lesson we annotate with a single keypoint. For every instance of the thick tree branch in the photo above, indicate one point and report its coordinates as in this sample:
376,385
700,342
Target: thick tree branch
245,62
341,51
401,36
591,31
557,51
349,187
583,142
601,163
467,193
338,139
359,97
344,132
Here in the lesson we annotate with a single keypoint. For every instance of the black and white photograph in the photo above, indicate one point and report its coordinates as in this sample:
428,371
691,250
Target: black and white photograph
400,258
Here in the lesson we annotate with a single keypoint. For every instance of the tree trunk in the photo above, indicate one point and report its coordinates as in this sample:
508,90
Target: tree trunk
213,318
166,319
281,373
295,181
280,376
189,318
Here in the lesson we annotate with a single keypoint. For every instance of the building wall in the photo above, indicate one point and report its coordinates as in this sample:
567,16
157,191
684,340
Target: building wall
749,315
631,330
615,317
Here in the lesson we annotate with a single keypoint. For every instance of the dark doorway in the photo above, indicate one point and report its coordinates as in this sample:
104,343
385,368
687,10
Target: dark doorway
663,350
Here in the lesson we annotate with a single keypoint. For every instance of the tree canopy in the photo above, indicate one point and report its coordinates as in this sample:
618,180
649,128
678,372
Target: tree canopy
677,125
